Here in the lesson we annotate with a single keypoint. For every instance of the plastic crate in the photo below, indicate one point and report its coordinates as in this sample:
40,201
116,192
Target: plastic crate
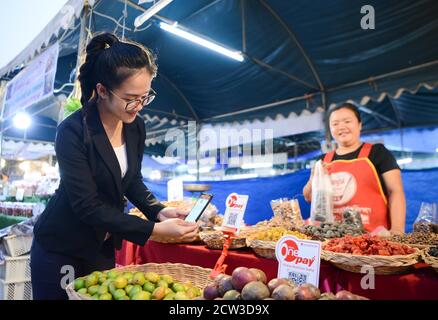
15,269
17,245
20,290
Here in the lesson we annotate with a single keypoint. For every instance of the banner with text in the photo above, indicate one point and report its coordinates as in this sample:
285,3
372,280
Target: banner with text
32,84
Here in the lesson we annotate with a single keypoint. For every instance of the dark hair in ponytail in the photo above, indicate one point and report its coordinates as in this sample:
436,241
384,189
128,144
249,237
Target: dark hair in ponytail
110,61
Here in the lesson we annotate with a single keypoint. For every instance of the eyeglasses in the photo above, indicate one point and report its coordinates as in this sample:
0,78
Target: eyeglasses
134,103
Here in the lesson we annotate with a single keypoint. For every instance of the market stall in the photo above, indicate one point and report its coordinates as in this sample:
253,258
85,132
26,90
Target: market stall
284,83
419,284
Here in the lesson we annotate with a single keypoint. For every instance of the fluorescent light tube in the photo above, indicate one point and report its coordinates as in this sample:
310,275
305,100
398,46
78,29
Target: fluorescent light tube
150,12
236,55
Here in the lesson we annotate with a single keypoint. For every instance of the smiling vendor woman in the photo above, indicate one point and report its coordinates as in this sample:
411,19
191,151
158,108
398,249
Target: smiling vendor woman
363,175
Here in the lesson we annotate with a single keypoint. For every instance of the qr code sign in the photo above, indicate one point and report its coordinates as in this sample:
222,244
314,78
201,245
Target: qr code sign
297,278
232,219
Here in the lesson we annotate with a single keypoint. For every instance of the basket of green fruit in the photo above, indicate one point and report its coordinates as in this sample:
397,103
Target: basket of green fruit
151,281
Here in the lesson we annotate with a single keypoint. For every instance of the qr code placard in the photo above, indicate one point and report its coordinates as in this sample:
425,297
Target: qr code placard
297,278
232,219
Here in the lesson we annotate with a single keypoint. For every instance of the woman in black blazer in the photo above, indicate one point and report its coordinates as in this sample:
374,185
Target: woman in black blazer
99,150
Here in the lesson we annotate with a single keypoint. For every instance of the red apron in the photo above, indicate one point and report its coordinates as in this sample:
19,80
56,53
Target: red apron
356,183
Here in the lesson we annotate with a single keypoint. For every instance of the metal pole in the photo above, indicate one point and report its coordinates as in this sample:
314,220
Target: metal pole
242,7
3,101
83,37
197,150
125,15
296,156
385,75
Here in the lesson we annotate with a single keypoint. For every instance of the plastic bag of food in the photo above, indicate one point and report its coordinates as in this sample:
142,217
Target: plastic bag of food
427,219
321,208
351,216
288,212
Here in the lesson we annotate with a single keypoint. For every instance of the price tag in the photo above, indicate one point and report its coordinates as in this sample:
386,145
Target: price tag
298,260
20,194
175,191
235,210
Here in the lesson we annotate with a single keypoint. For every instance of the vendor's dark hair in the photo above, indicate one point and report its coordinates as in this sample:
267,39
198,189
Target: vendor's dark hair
110,61
345,105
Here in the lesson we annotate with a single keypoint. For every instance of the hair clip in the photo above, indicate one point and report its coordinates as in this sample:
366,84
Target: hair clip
106,46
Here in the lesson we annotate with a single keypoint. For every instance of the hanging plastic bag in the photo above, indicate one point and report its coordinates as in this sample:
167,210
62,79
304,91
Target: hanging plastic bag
351,216
427,219
321,209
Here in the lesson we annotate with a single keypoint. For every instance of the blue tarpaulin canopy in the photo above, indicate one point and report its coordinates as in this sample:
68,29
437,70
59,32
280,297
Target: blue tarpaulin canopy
300,55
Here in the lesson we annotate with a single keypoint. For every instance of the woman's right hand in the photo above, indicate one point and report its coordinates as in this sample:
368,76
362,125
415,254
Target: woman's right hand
176,229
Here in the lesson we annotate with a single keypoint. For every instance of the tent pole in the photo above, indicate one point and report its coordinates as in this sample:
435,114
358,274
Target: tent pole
2,105
297,43
386,75
296,157
183,97
284,73
399,122
242,7
328,139
200,10
125,15
83,37
262,107
197,150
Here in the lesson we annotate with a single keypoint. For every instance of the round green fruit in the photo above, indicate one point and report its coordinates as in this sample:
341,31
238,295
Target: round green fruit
79,284
142,295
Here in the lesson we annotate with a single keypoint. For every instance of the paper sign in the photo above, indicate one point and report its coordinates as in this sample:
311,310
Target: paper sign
175,191
298,260
20,194
235,209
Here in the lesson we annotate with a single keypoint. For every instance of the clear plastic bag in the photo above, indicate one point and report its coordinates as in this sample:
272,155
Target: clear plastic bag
427,219
351,216
322,195
288,212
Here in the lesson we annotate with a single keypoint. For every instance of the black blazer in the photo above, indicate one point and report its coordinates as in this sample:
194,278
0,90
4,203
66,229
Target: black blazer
90,199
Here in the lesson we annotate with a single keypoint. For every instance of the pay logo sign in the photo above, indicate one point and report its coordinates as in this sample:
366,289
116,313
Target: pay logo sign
298,260
232,201
235,209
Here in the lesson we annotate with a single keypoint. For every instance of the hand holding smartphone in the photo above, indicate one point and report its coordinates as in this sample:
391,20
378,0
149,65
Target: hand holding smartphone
199,207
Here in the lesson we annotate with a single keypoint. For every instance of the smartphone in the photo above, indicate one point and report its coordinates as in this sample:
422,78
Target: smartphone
199,207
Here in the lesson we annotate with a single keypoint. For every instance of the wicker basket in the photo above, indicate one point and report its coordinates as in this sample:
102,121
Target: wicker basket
382,264
15,269
431,261
215,240
418,246
264,249
176,241
17,245
200,277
